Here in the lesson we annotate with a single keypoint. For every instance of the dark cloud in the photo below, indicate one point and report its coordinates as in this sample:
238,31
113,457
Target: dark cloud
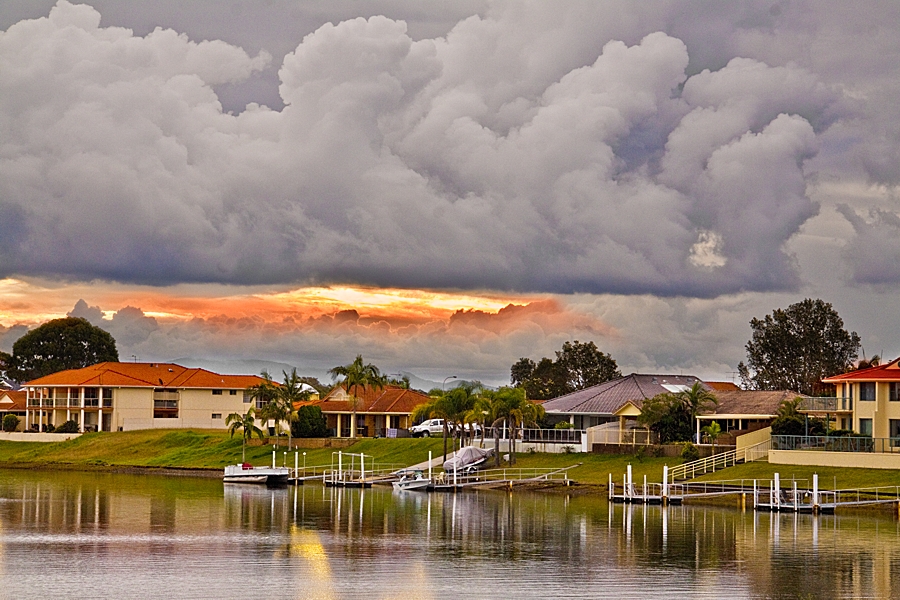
531,148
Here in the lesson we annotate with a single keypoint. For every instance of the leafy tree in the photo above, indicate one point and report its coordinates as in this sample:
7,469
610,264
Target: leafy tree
10,422
58,345
672,415
577,366
5,359
795,348
245,423
790,421
358,375
309,423
866,364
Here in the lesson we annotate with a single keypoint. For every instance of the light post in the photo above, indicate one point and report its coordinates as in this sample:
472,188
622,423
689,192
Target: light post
445,381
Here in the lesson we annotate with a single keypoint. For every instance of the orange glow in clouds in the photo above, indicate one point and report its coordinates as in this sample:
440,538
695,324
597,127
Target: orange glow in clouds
32,301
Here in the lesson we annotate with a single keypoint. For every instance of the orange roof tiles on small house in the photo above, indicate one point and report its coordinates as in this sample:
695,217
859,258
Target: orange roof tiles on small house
122,396
886,372
378,410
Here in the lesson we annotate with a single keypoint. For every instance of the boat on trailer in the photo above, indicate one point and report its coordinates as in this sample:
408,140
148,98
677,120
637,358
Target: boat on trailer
247,473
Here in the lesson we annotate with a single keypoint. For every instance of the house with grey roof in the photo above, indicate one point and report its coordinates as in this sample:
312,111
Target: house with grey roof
619,400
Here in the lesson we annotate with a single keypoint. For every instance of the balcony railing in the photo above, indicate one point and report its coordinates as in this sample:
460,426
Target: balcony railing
824,443
826,405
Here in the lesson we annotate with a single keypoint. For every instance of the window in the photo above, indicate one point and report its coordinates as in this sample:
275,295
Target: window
232,392
894,425
247,398
165,403
865,427
867,391
893,390
107,397
217,392
217,415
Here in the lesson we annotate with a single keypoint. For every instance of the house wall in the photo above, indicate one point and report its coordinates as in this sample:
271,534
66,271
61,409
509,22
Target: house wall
134,409
812,458
881,410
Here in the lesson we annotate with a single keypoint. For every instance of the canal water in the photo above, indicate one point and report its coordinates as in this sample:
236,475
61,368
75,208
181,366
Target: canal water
138,536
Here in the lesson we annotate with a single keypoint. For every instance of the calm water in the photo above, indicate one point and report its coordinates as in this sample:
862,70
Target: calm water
126,536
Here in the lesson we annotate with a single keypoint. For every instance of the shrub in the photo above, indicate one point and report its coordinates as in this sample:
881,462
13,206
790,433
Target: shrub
10,422
568,449
310,423
563,425
67,427
689,452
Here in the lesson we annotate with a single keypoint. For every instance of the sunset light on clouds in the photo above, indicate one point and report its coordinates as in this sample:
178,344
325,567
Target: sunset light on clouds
447,187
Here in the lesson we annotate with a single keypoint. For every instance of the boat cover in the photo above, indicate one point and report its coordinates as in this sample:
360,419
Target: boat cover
470,456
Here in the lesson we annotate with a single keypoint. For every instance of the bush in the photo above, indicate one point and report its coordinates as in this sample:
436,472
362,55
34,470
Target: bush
310,423
67,427
689,452
10,423
563,425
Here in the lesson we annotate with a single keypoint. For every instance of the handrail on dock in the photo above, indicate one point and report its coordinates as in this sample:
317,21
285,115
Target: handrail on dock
701,466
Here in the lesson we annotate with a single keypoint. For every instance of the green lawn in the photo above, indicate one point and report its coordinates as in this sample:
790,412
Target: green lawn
199,449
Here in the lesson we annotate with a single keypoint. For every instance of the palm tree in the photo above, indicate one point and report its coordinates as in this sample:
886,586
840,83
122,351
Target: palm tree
695,400
712,431
289,393
263,396
358,375
247,424
459,403
509,405
437,407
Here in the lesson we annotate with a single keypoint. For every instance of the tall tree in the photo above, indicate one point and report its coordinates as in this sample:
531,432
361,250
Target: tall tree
246,423
578,365
795,348
509,406
60,344
672,415
287,394
357,376
263,396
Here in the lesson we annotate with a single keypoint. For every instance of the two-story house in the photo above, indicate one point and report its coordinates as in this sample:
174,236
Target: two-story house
873,394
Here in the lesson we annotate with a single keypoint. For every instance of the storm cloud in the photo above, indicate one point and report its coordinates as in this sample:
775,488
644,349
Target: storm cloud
518,152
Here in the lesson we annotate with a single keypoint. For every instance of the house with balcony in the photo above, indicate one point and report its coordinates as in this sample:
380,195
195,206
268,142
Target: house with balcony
870,399
116,396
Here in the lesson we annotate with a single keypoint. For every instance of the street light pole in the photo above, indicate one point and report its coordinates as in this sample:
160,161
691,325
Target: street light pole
445,381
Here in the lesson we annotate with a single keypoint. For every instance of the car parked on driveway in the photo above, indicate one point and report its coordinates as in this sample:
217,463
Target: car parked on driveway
427,428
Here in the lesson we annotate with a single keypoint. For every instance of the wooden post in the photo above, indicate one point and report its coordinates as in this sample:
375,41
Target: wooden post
815,494
665,485
429,464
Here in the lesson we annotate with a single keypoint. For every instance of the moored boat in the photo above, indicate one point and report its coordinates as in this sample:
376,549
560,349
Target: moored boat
246,473
412,480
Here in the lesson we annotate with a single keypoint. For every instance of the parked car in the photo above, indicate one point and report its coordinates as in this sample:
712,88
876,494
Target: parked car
427,428
435,427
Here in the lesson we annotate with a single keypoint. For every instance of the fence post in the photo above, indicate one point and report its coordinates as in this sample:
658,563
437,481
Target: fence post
815,494
777,490
611,487
665,485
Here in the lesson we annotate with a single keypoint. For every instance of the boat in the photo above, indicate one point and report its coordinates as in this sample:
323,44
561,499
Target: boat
412,480
247,473
467,460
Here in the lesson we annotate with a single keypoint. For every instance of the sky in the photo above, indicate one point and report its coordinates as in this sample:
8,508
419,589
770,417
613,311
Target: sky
447,187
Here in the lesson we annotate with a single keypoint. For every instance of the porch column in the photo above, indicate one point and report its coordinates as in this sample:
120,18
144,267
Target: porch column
698,431
621,428
81,402
100,409
352,426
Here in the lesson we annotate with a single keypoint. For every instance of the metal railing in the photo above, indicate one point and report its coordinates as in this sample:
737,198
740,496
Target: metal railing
710,464
826,404
826,443
540,436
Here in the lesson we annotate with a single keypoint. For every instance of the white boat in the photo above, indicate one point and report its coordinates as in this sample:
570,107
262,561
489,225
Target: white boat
412,480
246,473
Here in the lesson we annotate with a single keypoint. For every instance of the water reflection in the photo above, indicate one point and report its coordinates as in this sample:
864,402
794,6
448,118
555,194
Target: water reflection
121,536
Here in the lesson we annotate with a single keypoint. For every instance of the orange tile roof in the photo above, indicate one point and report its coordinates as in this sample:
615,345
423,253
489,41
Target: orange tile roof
886,372
723,386
12,401
124,374
391,399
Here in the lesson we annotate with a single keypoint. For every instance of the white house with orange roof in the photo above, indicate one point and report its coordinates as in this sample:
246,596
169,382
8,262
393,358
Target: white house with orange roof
116,396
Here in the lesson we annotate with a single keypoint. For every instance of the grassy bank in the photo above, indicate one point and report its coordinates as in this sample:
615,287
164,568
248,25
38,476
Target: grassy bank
199,449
